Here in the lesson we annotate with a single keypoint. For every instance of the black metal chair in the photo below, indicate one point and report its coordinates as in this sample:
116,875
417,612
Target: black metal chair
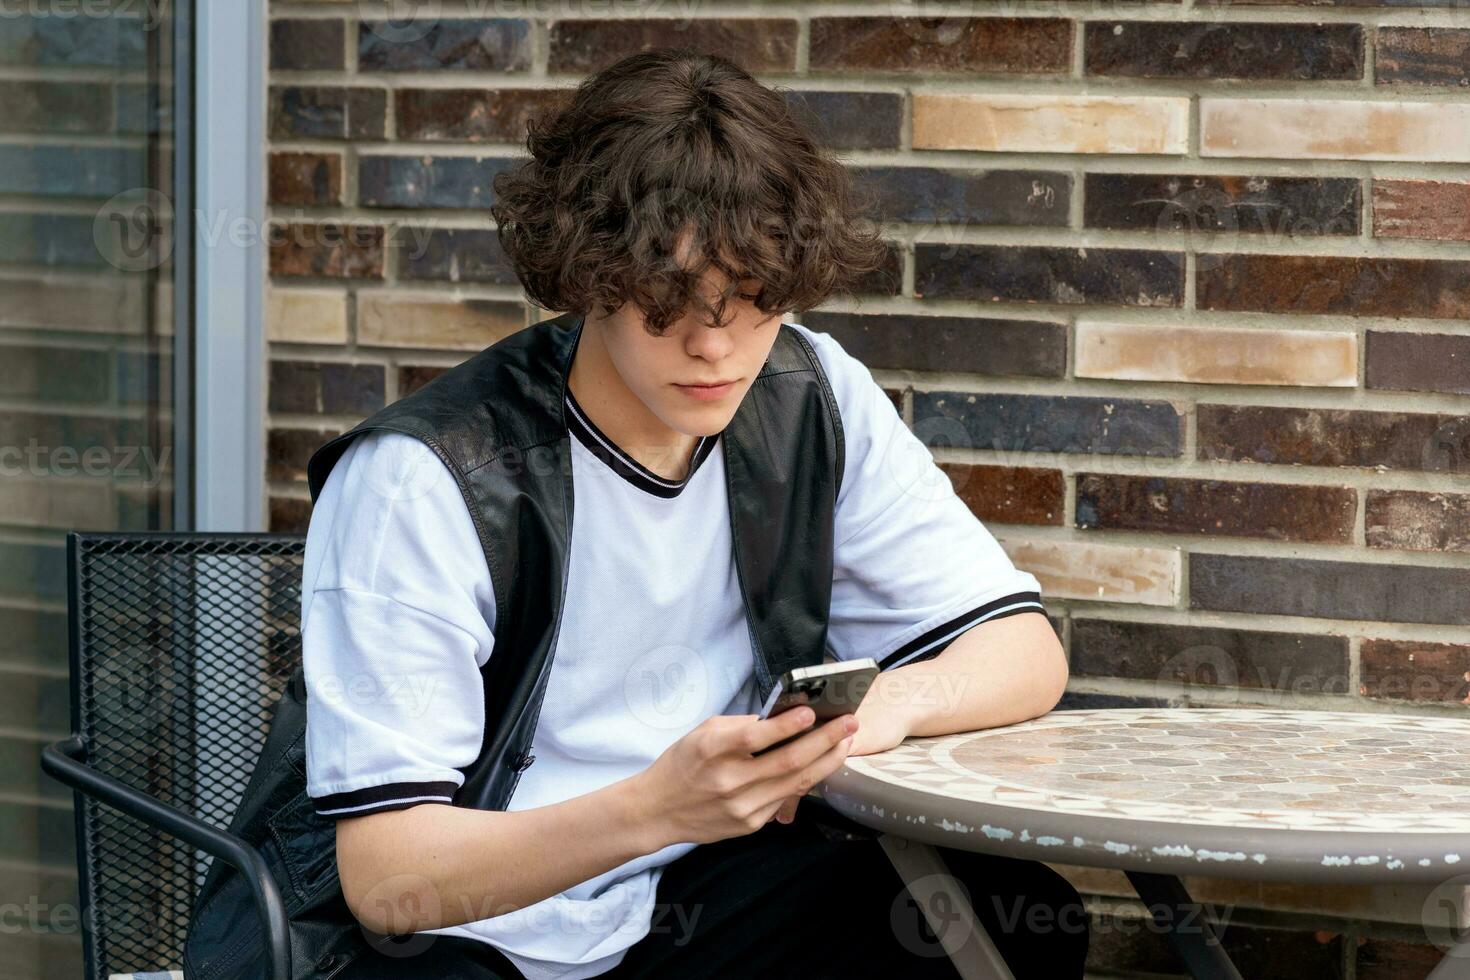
180,645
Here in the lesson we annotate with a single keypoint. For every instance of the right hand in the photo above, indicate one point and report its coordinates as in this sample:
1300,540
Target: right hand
708,786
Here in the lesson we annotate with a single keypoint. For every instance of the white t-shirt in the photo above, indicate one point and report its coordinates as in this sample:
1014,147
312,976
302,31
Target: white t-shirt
398,617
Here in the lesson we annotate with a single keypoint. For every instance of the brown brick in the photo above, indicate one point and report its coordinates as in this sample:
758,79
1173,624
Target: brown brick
328,250
1049,274
1125,945
1408,670
974,345
55,107
325,387
1335,437
1418,521
1288,663
1438,210
422,181
1009,494
331,113
316,44
442,43
1352,285
1211,49
289,515
1048,423
1376,591
1283,207
452,254
412,377
306,178
948,45
849,120
887,279
1388,959
1279,511
1090,701
1128,944
584,45
470,115
61,374
287,451
1422,56
941,196
1418,361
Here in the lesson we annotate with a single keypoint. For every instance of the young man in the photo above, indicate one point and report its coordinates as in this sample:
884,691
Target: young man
680,210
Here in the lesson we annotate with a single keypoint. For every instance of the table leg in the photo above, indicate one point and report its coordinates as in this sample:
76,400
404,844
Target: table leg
1189,932
962,935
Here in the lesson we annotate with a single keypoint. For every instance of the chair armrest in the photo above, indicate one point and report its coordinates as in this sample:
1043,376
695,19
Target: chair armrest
63,761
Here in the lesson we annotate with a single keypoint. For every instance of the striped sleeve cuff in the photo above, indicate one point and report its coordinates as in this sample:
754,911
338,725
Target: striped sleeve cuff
377,799
931,642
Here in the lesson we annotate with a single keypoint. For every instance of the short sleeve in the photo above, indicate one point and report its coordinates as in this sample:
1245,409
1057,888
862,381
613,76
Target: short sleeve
913,567
397,620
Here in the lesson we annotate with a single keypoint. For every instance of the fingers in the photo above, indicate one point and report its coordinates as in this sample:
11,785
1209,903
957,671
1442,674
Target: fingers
801,782
807,750
765,732
787,813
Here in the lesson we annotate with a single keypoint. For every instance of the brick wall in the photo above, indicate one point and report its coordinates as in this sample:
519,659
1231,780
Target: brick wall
1178,295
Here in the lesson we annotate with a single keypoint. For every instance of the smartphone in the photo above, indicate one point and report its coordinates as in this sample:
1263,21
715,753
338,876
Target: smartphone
829,689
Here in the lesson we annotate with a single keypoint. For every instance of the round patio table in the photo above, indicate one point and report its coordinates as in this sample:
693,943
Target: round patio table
1252,793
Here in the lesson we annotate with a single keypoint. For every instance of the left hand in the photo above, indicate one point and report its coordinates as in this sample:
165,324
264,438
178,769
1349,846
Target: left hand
880,728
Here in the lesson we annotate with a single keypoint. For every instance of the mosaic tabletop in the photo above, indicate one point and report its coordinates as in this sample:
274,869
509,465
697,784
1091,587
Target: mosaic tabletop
1250,793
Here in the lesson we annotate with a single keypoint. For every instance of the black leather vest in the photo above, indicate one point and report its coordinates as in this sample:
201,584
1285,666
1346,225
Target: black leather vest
496,420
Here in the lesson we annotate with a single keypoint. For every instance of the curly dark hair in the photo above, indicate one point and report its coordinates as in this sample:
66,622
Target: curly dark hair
664,164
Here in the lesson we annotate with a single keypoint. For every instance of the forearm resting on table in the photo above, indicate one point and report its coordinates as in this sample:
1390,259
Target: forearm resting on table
433,865
997,673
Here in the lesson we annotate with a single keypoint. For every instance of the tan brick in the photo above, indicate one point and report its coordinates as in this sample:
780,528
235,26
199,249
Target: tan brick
1216,355
107,305
306,316
1100,572
52,502
397,320
1335,129
1051,123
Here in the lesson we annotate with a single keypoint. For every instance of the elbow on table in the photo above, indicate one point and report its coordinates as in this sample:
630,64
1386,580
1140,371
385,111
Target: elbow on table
1055,674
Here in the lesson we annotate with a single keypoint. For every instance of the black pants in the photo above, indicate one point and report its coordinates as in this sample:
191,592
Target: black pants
789,902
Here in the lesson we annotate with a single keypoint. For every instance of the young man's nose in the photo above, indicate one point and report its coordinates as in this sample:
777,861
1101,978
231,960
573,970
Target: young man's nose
710,343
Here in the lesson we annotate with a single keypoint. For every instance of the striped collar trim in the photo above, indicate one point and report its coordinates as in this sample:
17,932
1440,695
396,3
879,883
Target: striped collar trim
624,465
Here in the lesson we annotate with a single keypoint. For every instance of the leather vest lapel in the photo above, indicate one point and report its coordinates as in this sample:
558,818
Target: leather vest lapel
783,461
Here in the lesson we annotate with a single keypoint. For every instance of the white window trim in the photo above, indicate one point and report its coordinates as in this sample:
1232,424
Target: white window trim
227,246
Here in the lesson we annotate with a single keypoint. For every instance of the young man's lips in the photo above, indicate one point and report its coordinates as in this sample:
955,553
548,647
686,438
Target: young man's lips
706,392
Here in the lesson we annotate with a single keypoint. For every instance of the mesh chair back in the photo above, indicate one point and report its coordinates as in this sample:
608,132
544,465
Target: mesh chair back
180,646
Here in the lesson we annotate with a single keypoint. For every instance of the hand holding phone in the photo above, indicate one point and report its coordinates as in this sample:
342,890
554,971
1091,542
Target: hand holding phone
830,690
